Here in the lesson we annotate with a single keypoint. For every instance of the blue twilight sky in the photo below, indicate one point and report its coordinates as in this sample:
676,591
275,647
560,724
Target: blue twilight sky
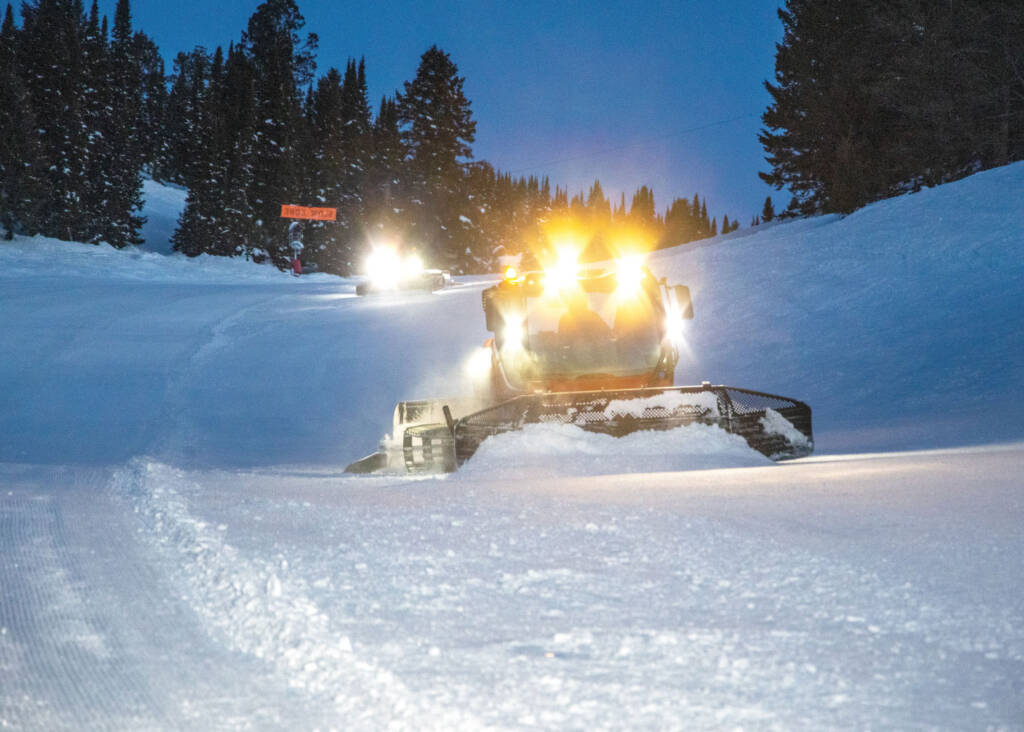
667,94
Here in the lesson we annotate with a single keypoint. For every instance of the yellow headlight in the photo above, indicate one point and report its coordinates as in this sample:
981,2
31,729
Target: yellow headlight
413,266
562,276
383,267
630,276
478,365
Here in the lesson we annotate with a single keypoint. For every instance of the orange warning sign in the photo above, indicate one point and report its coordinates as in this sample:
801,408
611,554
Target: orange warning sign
303,212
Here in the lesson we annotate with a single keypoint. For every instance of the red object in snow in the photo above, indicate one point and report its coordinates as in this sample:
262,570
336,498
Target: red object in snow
297,266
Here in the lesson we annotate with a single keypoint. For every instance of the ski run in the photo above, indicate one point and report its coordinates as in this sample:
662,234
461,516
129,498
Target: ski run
180,548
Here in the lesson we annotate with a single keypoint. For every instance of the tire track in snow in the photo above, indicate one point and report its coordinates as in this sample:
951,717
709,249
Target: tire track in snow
60,667
252,606
176,440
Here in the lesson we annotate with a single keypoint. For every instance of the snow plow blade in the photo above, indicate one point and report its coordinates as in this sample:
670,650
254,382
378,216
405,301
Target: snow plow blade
776,426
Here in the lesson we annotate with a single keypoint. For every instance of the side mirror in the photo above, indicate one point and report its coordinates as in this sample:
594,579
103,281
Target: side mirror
683,301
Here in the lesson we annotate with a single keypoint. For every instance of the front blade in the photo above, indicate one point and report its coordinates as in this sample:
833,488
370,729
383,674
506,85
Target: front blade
776,426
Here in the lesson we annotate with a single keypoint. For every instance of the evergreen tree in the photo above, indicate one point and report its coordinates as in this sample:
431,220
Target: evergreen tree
51,59
153,87
200,225
768,212
642,210
182,115
386,176
219,217
438,130
97,119
282,64
19,149
874,98
234,114
327,169
123,150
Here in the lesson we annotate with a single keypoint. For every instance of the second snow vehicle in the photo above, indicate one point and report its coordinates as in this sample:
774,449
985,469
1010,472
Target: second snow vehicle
595,348
387,270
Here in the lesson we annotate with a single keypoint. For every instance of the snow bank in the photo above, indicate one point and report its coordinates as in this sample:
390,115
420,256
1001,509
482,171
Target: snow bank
706,401
257,607
899,324
551,450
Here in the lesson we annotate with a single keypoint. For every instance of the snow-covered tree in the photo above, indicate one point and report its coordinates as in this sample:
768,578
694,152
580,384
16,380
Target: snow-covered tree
438,131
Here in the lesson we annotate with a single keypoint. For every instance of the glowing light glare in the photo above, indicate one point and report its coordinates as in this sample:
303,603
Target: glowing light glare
512,336
630,275
384,267
478,365
674,326
563,274
510,273
412,266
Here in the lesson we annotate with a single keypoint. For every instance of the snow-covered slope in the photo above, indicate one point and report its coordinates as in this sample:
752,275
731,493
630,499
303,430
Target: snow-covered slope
901,324
179,547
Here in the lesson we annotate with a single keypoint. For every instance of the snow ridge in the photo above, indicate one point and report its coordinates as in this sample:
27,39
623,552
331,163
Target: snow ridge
255,607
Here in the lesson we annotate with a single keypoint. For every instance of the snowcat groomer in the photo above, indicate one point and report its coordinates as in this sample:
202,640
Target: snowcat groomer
595,348
388,270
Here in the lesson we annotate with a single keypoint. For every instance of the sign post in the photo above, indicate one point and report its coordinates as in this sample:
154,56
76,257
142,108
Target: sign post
295,230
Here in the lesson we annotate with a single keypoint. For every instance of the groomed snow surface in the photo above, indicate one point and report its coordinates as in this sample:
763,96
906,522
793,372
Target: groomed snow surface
179,547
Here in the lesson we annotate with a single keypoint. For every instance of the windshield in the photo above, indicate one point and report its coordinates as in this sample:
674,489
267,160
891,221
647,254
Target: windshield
591,333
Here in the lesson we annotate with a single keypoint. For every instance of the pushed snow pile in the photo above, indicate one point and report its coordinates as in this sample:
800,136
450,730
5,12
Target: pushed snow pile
775,424
705,401
552,450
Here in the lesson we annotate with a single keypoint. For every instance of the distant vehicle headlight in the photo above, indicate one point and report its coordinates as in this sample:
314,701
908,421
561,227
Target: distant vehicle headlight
384,267
412,267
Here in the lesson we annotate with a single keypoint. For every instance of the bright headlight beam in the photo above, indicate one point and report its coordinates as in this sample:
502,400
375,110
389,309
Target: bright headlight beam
512,336
630,276
478,365
413,266
563,274
383,267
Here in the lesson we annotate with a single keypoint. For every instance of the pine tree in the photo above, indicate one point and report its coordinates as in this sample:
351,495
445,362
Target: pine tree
234,114
122,131
181,116
871,99
150,65
355,148
97,120
282,64
51,59
326,167
219,217
768,212
200,226
386,176
438,130
642,210
19,150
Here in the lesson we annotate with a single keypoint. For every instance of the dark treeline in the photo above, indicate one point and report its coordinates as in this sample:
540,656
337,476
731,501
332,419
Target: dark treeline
86,110
877,97
80,113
